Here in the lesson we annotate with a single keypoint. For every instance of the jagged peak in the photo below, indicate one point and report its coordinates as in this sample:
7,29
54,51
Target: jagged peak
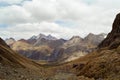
40,36
75,37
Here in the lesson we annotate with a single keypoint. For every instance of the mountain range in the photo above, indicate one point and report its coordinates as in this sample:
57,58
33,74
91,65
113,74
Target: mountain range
49,48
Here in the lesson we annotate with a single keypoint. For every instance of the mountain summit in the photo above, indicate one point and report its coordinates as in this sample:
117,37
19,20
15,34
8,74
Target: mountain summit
40,36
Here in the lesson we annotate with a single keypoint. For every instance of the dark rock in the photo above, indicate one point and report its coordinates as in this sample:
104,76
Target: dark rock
2,42
1,59
114,44
80,66
112,40
74,65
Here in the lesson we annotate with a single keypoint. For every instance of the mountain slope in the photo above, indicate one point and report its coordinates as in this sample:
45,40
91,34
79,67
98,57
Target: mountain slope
104,63
113,38
84,45
30,51
9,57
94,40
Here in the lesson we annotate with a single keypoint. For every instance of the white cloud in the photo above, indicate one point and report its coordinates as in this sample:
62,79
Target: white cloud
14,15
29,29
36,16
41,9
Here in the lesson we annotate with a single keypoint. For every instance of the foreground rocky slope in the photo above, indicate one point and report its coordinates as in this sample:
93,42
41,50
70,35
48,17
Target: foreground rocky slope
9,56
16,67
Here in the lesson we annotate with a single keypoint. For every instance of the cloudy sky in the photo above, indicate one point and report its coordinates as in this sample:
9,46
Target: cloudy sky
61,18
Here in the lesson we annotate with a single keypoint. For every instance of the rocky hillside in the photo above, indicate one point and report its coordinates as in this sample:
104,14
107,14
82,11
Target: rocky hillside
16,67
104,63
9,57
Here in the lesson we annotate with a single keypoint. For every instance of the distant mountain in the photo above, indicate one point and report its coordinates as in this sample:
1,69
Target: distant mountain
21,45
50,37
77,47
32,40
44,47
75,40
40,36
94,39
41,39
56,43
26,49
77,43
10,41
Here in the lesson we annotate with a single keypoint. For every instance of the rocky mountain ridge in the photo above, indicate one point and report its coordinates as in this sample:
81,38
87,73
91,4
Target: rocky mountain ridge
32,48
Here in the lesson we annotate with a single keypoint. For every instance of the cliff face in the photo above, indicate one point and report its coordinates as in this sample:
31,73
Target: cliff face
113,39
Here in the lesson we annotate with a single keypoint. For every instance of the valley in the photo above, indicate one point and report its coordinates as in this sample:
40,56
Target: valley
95,57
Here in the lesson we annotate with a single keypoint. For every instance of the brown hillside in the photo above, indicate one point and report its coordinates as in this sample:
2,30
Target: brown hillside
103,64
9,57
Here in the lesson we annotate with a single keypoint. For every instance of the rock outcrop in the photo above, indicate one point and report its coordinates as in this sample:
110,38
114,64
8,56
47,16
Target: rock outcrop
113,39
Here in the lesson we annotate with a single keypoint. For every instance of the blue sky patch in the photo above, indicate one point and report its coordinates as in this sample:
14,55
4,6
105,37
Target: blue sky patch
5,3
65,23
3,25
